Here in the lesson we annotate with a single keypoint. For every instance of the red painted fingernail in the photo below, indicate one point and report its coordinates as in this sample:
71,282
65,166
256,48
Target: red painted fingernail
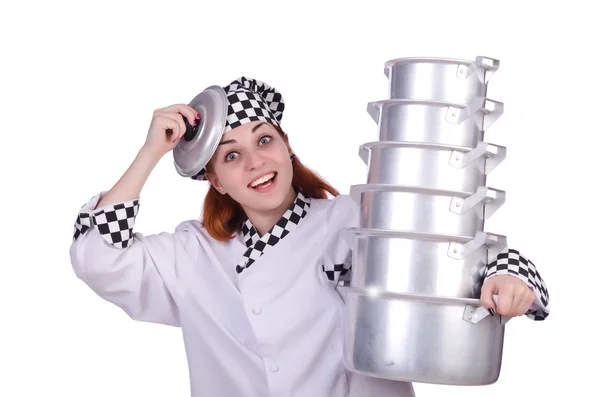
197,115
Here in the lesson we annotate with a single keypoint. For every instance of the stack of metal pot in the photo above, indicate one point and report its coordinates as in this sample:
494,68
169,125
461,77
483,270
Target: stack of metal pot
413,310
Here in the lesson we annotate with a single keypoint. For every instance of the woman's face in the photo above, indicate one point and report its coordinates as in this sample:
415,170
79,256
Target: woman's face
252,165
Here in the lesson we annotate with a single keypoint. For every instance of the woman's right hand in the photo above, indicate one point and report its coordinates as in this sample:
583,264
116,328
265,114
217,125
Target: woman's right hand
158,140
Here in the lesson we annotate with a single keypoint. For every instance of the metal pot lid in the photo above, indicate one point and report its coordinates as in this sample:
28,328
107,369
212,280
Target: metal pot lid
198,145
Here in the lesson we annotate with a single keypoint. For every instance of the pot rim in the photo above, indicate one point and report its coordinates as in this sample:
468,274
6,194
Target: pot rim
440,60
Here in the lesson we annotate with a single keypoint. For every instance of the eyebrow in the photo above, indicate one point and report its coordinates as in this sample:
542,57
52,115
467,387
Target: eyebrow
256,127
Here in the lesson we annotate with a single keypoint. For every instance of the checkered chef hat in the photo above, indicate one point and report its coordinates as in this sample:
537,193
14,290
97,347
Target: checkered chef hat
250,100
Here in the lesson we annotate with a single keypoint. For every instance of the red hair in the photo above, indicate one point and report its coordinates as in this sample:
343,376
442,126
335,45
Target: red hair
222,216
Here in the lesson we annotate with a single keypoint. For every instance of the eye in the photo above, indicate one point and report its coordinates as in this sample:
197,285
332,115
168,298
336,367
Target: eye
265,139
231,156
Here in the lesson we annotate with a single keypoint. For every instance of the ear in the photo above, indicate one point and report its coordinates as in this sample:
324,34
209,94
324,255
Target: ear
214,181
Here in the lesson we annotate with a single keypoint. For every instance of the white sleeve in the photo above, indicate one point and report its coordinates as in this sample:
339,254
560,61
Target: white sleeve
125,268
337,257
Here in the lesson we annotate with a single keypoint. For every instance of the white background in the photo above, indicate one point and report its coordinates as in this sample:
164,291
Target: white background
79,82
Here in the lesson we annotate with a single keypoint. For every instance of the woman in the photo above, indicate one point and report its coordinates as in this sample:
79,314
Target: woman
252,284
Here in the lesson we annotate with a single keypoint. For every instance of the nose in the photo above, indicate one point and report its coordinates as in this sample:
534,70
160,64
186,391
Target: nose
254,160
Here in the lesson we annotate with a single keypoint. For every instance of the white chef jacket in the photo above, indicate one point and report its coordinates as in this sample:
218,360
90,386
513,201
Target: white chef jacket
259,316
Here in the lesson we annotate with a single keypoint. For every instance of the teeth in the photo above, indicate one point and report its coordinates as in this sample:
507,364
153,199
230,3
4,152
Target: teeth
262,180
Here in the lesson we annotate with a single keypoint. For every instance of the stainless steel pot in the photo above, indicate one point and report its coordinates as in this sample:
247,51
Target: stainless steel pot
430,166
439,79
412,309
421,263
404,120
422,210
417,338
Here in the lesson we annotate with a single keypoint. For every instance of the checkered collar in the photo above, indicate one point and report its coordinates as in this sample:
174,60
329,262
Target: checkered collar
257,246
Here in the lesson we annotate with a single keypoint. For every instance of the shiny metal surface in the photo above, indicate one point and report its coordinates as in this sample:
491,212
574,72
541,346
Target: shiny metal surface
439,79
190,157
420,263
410,165
425,211
420,339
412,309
403,120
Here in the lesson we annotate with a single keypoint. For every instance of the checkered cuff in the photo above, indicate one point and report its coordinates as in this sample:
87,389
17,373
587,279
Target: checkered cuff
114,221
512,262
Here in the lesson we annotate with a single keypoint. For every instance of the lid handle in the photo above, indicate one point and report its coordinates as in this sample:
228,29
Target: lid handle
190,130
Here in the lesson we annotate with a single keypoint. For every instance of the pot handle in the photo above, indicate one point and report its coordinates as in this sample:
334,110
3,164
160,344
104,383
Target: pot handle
473,311
373,108
491,111
363,153
485,68
492,198
495,244
494,154
475,314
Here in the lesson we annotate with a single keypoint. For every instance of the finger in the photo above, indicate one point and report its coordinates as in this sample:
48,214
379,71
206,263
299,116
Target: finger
191,114
487,292
166,122
181,125
175,108
524,303
506,298
185,110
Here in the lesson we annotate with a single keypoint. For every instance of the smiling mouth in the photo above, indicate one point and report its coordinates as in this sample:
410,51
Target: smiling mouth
264,181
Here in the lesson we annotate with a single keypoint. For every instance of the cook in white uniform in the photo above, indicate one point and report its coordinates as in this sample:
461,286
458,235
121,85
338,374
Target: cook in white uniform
259,311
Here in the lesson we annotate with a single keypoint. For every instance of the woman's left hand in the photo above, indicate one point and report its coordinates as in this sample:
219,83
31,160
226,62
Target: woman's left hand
514,296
